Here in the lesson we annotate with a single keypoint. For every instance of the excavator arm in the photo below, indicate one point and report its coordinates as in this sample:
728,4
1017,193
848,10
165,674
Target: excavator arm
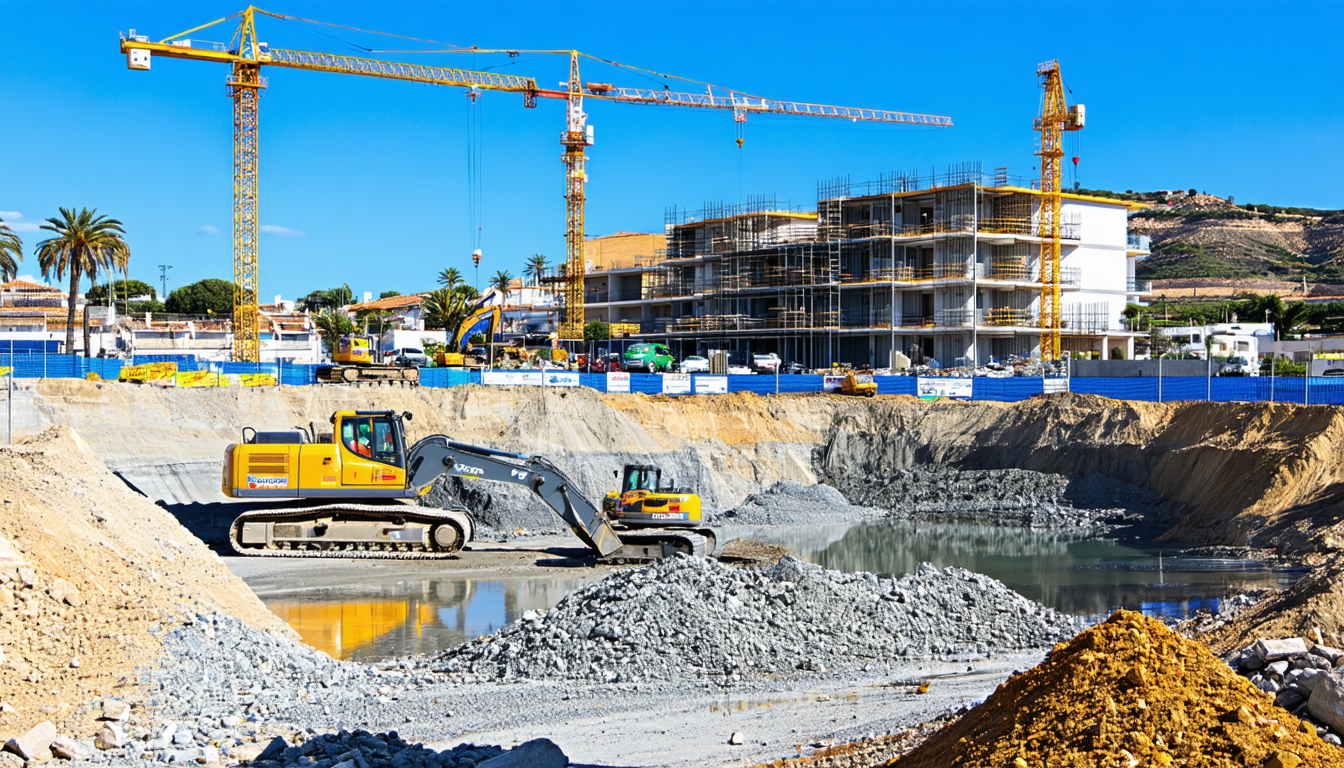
437,455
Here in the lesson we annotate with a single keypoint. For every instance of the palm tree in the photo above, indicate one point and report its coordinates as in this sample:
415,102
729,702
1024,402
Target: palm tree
450,278
11,252
536,265
500,282
331,325
85,243
445,309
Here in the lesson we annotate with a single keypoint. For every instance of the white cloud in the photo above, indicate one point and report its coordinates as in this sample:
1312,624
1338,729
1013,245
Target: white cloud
11,218
271,229
205,229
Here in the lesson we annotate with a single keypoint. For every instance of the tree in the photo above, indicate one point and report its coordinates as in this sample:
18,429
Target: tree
331,298
389,294
500,282
210,296
536,266
332,325
445,309
596,331
450,278
11,252
122,289
85,243
467,292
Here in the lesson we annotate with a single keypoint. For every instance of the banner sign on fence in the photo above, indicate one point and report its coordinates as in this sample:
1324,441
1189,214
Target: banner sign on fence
5,370
831,383
561,378
1056,386
512,378
932,389
201,379
148,372
676,383
252,379
711,385
618,381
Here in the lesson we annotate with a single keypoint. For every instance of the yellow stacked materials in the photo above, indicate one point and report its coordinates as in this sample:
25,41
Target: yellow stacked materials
148,372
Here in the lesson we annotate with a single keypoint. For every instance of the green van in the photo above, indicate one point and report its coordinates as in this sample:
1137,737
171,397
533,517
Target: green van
649,357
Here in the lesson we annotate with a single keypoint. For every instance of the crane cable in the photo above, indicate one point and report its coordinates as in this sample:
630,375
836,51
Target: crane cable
475,120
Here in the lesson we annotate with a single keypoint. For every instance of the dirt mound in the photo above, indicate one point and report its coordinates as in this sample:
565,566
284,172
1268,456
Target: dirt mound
1315,602
1127,692
91,571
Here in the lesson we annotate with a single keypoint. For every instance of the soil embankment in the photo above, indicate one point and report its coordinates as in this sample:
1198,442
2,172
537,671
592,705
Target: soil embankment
1259,475
92,574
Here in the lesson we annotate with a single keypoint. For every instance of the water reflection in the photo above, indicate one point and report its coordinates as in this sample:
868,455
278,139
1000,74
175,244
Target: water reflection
1068,572
399,617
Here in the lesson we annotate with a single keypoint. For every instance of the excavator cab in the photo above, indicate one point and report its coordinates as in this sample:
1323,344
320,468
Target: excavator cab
644,501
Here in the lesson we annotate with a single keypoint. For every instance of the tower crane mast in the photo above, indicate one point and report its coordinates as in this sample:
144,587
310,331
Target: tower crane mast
246,55
1056,118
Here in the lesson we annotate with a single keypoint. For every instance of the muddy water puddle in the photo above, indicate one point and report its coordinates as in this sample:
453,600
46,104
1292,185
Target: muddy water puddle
394,618
403,612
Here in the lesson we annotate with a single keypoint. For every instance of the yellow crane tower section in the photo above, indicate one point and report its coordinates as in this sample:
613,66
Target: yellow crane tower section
246,56
1056,118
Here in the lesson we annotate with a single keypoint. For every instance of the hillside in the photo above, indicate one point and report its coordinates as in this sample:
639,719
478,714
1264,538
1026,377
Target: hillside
1203,236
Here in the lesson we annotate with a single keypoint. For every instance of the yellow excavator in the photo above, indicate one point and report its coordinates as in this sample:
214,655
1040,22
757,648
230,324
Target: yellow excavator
644,500
354,358
463,354
354,493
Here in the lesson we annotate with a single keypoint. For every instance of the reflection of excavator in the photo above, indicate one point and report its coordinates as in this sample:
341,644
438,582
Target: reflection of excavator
462,353
347,495
354,362
644,501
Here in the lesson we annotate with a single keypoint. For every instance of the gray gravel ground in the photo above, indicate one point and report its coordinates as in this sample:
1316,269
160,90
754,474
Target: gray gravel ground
691,618
790,503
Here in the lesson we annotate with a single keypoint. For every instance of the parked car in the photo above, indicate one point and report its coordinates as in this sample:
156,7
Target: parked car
652,358
740,370
767,363
407,357
695,364
1238,365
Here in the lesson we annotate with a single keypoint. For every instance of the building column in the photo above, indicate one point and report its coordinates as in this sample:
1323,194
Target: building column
1105,347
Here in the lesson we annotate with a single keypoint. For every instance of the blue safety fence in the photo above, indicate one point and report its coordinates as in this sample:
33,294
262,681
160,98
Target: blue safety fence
34,364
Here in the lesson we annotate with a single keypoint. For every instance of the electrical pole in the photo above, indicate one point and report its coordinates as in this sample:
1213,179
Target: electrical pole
163,276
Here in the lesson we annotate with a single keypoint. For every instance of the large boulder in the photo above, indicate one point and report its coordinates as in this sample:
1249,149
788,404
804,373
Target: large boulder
1327,701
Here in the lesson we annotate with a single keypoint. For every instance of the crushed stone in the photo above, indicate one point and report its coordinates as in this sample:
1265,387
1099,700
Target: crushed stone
688,618
1130,692
790,503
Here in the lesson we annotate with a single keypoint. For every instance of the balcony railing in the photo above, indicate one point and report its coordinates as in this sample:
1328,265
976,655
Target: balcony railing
1138,242
1006,316
1069,229
1138,287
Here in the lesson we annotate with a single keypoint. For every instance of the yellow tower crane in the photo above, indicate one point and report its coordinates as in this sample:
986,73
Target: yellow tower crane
246,54
1056,118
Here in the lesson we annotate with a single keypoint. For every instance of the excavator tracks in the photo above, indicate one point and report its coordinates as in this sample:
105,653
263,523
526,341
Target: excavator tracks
376,374
363,531
646,545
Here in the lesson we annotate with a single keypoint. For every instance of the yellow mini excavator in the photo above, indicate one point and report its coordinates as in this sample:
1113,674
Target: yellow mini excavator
354,362
353,493
463,354
643,500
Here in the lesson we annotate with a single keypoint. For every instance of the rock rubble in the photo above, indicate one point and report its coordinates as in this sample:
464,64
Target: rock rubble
689,618
1309,682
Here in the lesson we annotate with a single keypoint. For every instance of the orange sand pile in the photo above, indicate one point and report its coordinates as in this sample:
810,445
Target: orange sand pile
1126,693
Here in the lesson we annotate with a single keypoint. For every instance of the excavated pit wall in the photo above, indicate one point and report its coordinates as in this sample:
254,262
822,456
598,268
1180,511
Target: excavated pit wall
1244,474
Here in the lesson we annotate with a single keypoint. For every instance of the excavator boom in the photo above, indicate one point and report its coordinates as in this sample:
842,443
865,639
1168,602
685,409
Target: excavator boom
437,455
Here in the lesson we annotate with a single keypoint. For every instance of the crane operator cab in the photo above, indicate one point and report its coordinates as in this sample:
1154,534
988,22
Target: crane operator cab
643,500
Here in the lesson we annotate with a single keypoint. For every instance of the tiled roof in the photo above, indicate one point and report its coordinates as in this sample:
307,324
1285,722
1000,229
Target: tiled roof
391,302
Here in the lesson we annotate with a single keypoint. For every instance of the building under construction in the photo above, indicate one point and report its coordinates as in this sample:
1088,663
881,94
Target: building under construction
943,266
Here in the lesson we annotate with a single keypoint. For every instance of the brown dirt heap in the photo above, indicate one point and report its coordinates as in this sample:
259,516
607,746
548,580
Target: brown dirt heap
88,569
1126,693
1315,602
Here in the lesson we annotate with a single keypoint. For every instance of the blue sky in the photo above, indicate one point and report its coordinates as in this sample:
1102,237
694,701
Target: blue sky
365,182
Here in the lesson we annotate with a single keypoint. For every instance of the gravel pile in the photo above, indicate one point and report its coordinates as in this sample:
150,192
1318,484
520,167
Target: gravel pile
790,503
362,749
691,618
1015,497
